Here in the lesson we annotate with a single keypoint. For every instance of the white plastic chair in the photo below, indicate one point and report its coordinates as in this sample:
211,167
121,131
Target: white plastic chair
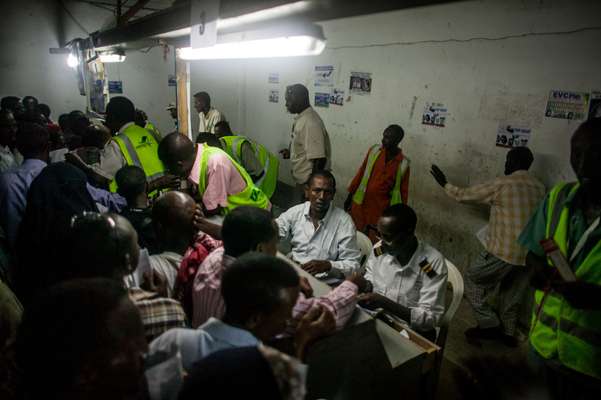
365,246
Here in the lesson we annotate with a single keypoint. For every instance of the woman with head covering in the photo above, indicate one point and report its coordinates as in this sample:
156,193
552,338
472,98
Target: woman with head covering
57,194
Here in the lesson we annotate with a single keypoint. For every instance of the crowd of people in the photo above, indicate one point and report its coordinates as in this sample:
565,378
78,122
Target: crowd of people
140,265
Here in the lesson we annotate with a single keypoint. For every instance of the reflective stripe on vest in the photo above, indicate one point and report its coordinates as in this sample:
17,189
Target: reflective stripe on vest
571,335
395,194
250,196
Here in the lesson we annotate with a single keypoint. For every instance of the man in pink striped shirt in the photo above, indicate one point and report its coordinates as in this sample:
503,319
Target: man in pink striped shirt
252,229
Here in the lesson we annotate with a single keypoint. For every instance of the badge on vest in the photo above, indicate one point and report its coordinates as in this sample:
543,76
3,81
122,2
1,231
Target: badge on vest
378,250
427,268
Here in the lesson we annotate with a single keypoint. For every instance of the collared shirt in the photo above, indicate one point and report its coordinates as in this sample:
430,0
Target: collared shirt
310,141
207,122
111,157
423,293
167,264
112,202
223,179
335,238
194,344
14,185
513,199
7,159
536,230
159,314
208,302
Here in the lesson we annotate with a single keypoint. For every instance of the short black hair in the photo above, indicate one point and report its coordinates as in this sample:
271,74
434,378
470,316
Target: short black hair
397,130
322,174
32,139
121,109
522,157
208,138
404,216
225,126
62,332
175,147
97,244
299,90
27,98
9,102
203,96
131,181
244,228
44,109
63,121
252,285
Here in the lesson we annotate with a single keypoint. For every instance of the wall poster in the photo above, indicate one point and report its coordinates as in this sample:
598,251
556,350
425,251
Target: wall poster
324,75
360,83
435,114
567,105
274,96
322,99
513,134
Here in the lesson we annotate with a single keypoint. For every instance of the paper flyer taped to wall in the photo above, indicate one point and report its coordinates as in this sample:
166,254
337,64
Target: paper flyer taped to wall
513,134
274,77
360,83
567,105
324,75
337,97
322,99
274,96
435,114
594,110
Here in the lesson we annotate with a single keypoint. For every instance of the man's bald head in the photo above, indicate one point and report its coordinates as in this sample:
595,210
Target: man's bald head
297,98
173,219
176,151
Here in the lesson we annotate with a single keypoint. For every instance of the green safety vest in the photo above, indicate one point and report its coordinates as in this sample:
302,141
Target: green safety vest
271,164
154,131
139,148
250,196
395,194
572,336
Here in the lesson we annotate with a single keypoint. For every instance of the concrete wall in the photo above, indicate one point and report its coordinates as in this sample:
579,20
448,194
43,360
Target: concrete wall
31,27
414,60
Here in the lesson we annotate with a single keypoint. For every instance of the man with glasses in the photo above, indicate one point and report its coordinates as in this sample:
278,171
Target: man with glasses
406,277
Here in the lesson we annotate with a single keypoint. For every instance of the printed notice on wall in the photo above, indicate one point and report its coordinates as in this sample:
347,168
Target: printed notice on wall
274,96
435,114
594,110
567,105
322,99
513,134
324,75
274,77
360,83
337,97
115,86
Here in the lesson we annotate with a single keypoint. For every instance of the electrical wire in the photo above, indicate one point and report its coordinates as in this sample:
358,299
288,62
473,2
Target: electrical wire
472,39
73,17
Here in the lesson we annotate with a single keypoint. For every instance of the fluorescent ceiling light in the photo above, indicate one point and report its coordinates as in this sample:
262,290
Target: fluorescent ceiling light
111,57
290,41
72,61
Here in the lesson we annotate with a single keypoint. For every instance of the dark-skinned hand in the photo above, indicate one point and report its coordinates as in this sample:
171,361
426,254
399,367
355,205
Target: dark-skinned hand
316,323
285,154
154,282
438,175
165,182
371,300
358,280
305,287
316,266
580,294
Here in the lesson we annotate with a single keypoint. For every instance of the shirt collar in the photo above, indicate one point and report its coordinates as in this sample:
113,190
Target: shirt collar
235,336
124,127
307,208
519,172
31,163
304,112
413,262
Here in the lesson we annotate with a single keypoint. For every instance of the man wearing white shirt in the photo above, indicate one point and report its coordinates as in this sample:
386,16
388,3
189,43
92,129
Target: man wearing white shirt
207,115
323,237
408,278
8,134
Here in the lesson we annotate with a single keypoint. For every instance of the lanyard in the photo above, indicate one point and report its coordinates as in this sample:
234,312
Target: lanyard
584,238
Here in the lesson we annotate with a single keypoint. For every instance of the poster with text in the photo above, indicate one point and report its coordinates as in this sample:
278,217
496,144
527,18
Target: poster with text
567,105
274,77
513,135
435,114
594,110
324,75
274,96
115,87
337,97
322,99
360,83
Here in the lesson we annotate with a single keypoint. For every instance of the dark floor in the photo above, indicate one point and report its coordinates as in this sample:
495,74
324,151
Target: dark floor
456,349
